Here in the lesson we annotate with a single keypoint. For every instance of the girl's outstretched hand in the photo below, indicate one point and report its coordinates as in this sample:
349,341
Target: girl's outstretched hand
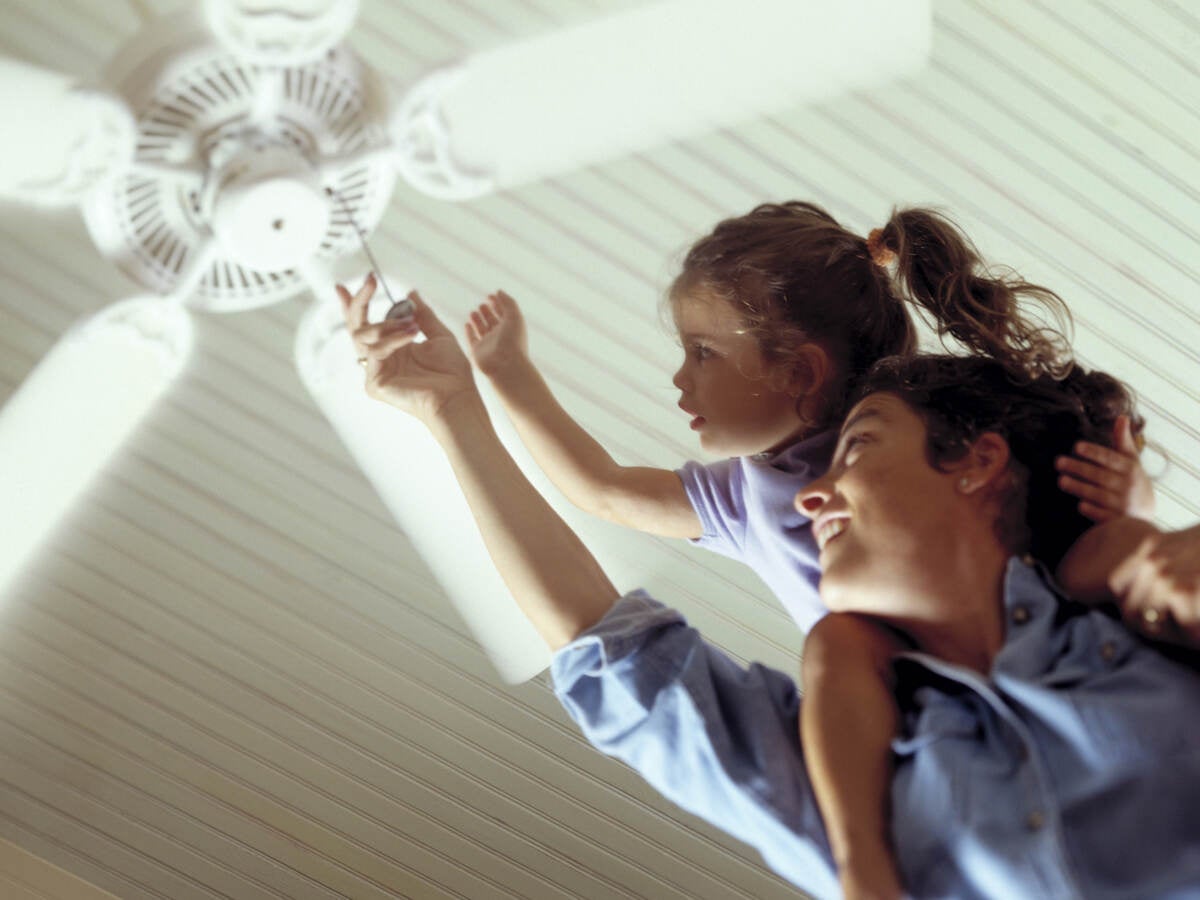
421,378
1108,482
496,335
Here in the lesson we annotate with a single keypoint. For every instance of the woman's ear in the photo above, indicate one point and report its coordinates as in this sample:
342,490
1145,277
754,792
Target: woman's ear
985,465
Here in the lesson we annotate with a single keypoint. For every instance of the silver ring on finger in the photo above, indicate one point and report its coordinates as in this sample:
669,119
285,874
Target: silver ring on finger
1153,620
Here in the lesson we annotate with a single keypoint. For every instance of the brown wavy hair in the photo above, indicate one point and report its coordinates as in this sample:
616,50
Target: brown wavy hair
1041,417
797,276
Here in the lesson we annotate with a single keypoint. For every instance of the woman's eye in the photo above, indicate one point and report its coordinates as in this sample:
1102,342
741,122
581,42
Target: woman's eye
701,352
853,441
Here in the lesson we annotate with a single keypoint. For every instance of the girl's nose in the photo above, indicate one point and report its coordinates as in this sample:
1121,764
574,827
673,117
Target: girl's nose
810,499
678,380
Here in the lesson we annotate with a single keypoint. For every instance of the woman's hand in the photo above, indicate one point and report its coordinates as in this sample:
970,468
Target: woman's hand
1108,482
496,335
1158,586
420,377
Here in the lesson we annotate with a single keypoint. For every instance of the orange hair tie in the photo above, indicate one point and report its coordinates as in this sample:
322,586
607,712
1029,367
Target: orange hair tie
882,255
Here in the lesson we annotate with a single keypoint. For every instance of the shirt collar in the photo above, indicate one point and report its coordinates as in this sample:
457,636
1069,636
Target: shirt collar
808,457
1033,612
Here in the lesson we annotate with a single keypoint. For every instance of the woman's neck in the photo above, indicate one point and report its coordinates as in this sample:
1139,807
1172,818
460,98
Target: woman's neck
958,616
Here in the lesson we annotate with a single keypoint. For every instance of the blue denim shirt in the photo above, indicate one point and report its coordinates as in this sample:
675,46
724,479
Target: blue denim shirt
1071,770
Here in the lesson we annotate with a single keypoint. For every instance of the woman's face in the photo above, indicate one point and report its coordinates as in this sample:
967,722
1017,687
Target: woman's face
883,517
737,404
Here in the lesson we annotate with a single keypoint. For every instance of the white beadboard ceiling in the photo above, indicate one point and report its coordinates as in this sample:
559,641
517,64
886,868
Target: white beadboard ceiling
228,675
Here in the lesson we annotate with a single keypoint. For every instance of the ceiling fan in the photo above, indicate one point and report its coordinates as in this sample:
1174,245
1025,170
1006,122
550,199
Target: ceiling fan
230,155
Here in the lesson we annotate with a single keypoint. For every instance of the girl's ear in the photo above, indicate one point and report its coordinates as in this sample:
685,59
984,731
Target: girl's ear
985,465
808,381
805,378
806,374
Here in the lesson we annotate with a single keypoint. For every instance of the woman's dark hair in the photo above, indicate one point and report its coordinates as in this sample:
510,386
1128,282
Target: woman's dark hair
1040,417
797,276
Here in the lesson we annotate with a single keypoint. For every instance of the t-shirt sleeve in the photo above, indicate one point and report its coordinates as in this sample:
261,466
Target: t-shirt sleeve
717,739
717,493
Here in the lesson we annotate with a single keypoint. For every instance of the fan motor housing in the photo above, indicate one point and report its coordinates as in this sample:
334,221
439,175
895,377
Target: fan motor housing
267,163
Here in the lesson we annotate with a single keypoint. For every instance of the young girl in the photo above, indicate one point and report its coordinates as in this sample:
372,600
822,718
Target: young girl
780,312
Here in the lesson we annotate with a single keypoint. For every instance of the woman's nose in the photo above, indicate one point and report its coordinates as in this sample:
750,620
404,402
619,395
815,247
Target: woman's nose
810,499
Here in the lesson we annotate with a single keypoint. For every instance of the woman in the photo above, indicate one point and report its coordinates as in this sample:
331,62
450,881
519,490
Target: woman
1043,750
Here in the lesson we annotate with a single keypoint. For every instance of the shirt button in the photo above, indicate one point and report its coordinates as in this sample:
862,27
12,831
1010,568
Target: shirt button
1020,615
1108,651
1035,820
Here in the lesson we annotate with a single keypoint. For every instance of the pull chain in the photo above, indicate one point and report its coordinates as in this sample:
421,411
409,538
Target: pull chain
400,309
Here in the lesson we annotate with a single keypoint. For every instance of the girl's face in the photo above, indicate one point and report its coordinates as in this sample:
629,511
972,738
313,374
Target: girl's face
739,404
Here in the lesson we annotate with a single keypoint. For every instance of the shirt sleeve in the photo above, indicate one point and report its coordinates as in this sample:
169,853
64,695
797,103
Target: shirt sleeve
717,739
717,493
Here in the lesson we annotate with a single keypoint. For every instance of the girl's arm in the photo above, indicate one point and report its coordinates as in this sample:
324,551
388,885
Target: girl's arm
1154,577
847,722
639,497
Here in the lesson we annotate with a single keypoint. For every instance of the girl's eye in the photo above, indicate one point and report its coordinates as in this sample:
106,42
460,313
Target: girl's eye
701,352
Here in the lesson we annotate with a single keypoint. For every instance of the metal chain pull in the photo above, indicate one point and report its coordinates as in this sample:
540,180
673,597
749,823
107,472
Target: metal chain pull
400,309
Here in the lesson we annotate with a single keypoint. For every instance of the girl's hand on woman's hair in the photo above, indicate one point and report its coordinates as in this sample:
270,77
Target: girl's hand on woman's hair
1158,586
419,377
496,335
1108,482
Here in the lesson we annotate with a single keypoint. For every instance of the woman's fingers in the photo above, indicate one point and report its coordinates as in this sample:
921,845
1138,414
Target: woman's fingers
427,319
1159,586
391,340
354,308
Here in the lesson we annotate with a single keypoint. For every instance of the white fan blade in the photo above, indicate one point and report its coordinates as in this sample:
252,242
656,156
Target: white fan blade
280,32
76,408
625,83
410,472
60,139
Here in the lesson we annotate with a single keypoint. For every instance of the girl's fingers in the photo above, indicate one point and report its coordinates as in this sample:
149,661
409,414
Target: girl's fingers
472,334
1086,491
1124,438
1110,459
489,315
1096,513
479,322
1089,472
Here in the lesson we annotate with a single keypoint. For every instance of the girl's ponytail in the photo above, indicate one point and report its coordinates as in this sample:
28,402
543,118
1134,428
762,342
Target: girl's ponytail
939,269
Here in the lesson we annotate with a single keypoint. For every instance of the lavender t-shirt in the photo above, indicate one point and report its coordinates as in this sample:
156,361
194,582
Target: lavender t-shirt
747,507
